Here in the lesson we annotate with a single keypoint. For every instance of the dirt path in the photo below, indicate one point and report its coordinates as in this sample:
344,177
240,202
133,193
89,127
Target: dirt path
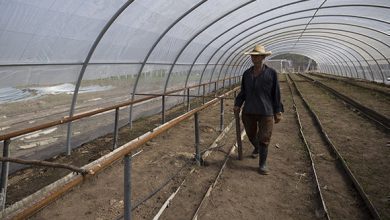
287,193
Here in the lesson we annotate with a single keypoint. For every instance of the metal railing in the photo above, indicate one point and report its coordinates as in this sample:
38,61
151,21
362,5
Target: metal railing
125,151
6,138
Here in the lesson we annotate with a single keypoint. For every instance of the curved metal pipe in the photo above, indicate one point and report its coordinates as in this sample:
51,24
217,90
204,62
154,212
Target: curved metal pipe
325,59
307,53
342,57
308,23
318,60
282,35
243,58
341,50
317,16
361,66
342,40
312,29
84,67
318,36
197,34
151,50
323,50
231,28
282,22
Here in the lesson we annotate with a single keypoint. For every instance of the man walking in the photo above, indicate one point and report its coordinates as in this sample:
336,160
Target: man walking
261,93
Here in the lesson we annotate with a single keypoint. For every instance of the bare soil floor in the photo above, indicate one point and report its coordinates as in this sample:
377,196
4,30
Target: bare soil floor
341,198
364,146
241,193
370,98
359,82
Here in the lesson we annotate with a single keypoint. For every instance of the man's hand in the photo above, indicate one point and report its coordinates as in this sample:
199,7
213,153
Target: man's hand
236,109
278,117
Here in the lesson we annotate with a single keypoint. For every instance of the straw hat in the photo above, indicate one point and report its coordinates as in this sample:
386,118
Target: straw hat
258,50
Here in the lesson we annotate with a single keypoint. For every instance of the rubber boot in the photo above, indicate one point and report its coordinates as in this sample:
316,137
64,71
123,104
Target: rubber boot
263,150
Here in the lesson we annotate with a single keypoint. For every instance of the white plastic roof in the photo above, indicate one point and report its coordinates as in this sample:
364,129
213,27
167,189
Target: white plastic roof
48,42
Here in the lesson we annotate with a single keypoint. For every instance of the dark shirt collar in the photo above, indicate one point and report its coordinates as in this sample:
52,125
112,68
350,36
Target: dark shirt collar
265,67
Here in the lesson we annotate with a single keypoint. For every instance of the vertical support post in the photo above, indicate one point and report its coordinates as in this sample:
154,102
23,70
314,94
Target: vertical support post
131,117
163,110
204,93
116,128
127,187
68,139
222,116
188,100
281,66
223,83
215,88
235,94
4,175
197,139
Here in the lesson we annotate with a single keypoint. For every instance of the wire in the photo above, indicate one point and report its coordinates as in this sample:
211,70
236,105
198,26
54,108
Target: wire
158,189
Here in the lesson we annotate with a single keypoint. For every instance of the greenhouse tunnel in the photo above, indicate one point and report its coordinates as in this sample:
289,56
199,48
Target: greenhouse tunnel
59,59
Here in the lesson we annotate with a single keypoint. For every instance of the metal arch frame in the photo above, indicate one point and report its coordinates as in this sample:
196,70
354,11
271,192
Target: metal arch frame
91,51
197,34
80,63
288,36
334,69
314,57
336,60
321,49
335,29
338,42
319,36
283,33
331,29
326,64
285,27
231,28
322,65
303,24
331,69
317,16
326,7
335,48
245,65
303,52
308,23
359,54
85,64
152,49
342,61
326,59
247,42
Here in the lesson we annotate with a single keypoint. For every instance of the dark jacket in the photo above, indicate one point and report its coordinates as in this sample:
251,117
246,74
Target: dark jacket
261,94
